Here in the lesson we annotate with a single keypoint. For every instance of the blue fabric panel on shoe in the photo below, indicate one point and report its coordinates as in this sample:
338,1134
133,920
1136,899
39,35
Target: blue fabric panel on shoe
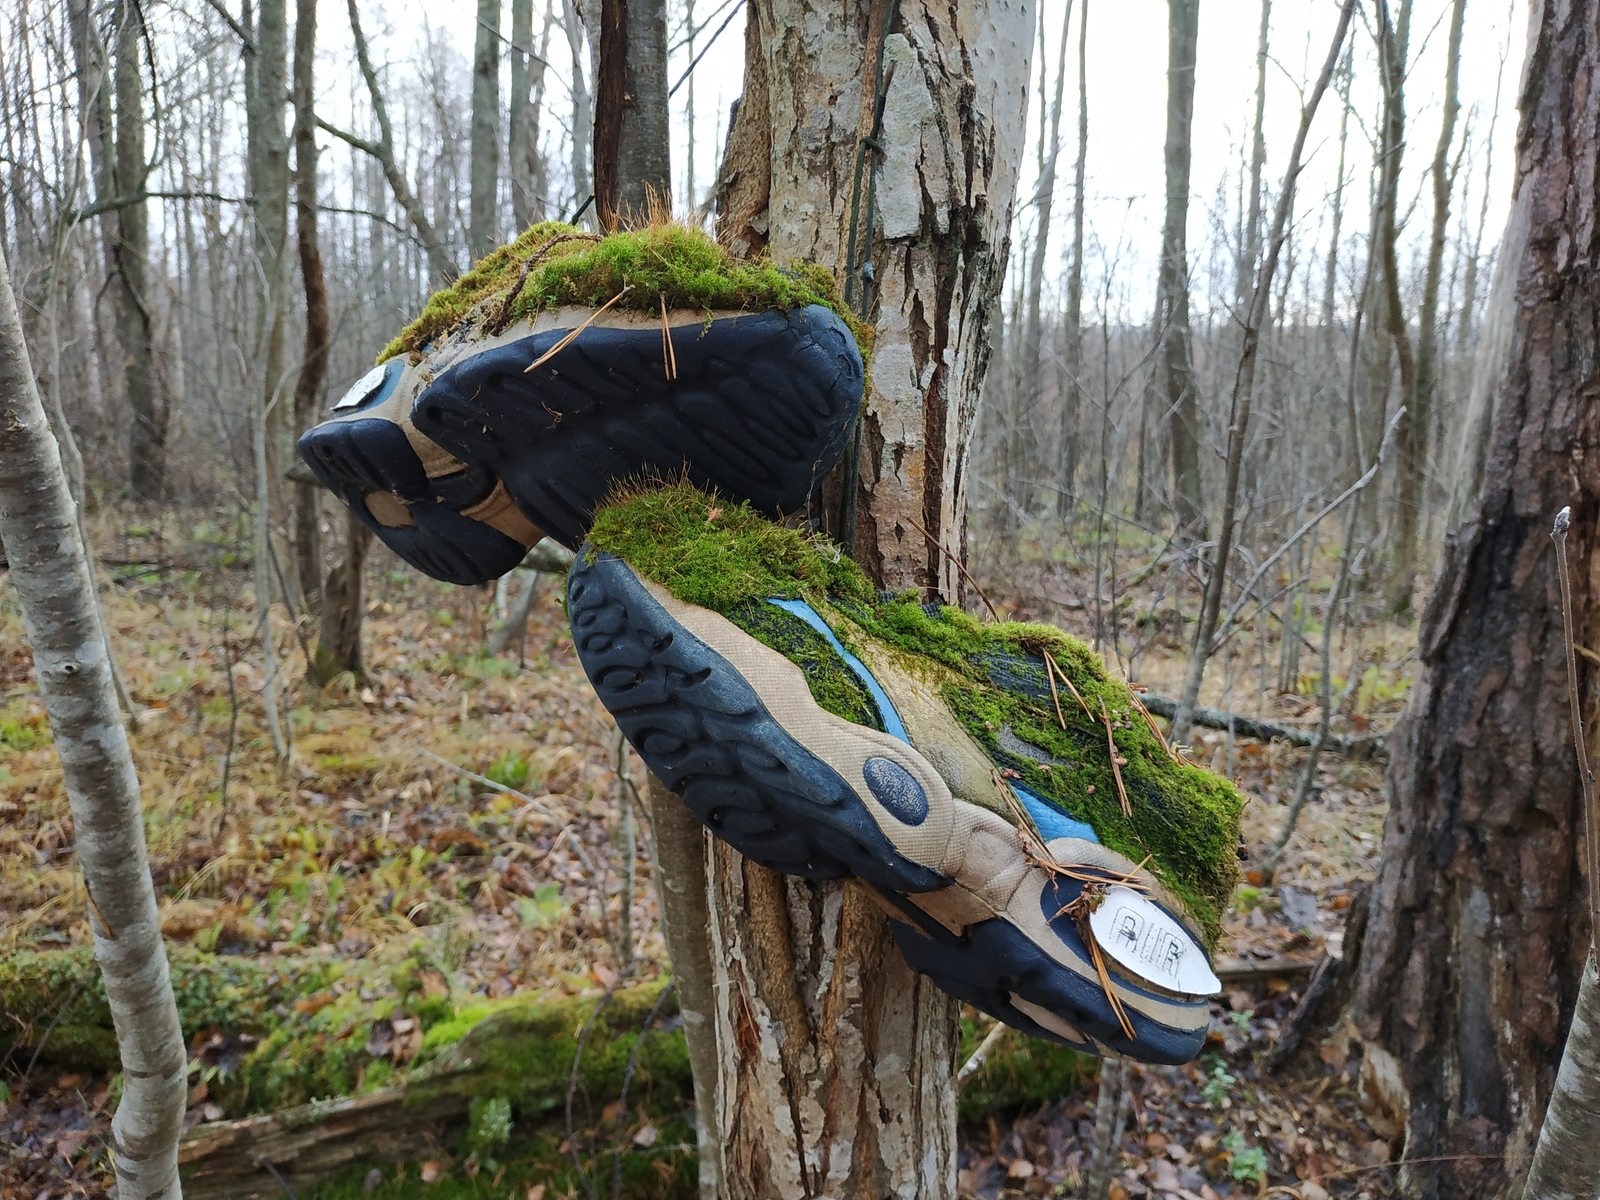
891,719
896,789
1051,821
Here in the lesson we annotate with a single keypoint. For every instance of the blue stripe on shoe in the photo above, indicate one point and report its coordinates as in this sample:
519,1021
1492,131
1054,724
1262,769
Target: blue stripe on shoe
891,719
1051,822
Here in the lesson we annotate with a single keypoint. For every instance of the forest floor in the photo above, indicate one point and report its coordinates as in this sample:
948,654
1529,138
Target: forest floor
373,849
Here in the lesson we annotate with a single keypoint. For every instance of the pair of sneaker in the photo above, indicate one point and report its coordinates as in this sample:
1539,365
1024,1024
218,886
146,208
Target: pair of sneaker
1043,854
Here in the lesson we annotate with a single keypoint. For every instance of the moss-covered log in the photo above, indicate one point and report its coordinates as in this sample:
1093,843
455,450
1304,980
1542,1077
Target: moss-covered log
521,1053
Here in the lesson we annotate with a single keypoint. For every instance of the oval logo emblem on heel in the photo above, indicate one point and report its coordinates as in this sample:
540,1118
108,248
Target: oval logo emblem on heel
896,789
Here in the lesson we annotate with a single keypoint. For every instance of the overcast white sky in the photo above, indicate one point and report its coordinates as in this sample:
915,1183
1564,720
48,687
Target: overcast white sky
1127,99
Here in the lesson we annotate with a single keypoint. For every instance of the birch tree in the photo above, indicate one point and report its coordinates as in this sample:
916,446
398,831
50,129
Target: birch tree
50,570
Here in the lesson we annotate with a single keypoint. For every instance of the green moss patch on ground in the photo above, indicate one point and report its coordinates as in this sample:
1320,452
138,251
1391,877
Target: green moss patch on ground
1020,1074
1185,820
681,267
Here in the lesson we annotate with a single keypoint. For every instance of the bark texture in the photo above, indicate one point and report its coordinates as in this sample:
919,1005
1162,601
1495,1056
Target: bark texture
1470,969
1172,284
1566,1165
483,225
148,432
50,571
314,362
632,168
339,637
835,1062
1419,402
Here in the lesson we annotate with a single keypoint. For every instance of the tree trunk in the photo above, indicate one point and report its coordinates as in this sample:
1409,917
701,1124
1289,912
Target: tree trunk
836,1062
1072,359
1250,243
314,363
1394,35
582,106
439,261
1172,285
1239,408
147,435
1032,390
1470,969
50,570
1566,1164
522,133
339,637
94,99
1413,464
483,222
632,166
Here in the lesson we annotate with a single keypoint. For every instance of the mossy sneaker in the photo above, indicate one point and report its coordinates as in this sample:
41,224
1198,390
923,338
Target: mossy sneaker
564,363
1044,855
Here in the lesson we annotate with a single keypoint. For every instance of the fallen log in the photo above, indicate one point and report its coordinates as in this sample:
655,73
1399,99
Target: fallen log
523,1053
1350,745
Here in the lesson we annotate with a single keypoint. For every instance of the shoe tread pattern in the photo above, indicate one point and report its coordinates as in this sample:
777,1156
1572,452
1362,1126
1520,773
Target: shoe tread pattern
353,458
704,731
760,410
992,960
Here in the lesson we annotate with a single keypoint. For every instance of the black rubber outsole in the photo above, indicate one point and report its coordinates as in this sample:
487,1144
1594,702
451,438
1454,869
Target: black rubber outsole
706,734
353,458
760,410
703,730
992,960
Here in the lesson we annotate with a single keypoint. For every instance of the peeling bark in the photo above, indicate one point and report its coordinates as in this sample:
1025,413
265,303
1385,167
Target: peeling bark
1470,970
836,1063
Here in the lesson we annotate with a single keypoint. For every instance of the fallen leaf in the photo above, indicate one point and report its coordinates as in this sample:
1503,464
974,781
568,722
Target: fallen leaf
1020,1168
1116,1191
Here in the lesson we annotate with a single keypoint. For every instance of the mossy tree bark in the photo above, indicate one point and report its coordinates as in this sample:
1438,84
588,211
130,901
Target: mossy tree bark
50,569
1471,965
835,1072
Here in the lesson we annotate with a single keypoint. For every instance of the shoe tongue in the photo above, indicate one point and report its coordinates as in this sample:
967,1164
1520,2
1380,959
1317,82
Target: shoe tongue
1150,944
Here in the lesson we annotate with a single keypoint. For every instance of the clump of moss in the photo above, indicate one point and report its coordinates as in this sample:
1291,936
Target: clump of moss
681,267
717,554
1185,820
833,684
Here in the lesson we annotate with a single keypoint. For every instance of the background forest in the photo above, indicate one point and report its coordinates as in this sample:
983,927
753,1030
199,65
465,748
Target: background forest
393,832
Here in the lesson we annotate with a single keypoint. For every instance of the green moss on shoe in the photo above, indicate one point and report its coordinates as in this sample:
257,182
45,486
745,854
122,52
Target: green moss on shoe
1185,819
726,558
834,686
682,267
717,554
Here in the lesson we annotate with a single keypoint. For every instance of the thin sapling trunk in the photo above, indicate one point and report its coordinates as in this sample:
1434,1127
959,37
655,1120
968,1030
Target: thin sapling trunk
50,570
1566,1162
